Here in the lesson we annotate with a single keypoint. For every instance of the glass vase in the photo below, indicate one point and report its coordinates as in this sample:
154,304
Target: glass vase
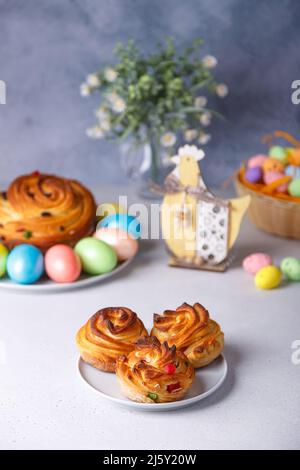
147,165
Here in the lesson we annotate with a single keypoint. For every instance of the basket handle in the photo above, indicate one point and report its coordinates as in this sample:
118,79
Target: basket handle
268,138
270,188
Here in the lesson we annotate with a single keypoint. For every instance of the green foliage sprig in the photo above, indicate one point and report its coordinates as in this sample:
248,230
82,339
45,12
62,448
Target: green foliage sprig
156,94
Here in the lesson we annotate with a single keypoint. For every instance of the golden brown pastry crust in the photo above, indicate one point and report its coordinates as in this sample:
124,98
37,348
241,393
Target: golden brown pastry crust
44,210
109,333
154,372
192,331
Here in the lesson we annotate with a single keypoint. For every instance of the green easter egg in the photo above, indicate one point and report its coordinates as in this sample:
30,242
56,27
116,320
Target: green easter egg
96,256
268,277
291,268
279,153
294,188
3,258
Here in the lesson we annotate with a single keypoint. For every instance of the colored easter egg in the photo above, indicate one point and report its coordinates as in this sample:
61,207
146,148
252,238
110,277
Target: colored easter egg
25,264
3,259
294,187
96,256
62,264
254,175
109,208
294,156
291,268
123,243
256,261
293,171
256,160
124,222
271,176
272,164
278,152
268,277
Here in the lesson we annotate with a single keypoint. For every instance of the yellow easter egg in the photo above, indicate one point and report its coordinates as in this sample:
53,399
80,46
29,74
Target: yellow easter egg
268,277
109,208
3,258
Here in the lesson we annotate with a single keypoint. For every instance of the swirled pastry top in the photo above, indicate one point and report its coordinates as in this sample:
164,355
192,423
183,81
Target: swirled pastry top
44,210
154,372
109,333
193,332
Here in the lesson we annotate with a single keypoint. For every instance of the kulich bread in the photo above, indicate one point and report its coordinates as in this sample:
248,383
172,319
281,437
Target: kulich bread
192,331
154,372
109,333
44,210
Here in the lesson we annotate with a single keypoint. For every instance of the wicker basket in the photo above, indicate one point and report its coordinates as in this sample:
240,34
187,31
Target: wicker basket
271,214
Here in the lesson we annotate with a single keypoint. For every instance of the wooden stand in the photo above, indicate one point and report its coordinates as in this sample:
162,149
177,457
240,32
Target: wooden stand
198,264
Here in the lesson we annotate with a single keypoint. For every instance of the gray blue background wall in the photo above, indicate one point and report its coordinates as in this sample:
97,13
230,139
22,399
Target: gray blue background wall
48,46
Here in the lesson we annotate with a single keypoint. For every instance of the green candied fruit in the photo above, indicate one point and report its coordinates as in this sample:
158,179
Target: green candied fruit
27,234
153,396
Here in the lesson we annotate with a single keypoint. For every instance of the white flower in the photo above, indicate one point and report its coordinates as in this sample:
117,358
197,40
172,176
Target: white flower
110,74
200,102
190,134
205,118
112,97
93,80
168,139
209,61
118,105
222,90
102,113
85,89
105,125
95,132
204,138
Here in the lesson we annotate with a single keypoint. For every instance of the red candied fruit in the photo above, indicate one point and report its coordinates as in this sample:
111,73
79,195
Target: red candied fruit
173,387
170,368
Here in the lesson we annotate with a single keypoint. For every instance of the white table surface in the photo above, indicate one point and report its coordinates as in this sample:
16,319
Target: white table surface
44,404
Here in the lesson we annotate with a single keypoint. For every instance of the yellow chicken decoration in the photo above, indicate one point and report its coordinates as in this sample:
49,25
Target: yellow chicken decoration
198,227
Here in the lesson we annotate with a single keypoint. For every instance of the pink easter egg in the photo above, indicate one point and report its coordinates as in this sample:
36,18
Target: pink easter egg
271,176
256,160
253,263
123,243
62,264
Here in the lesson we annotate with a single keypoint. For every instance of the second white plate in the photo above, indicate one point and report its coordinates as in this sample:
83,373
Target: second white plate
207,381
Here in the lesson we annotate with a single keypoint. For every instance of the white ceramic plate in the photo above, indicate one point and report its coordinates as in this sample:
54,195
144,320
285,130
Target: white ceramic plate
45,284
207,381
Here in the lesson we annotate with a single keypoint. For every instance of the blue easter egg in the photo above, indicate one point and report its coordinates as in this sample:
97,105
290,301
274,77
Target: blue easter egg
124,222
293,171
25,264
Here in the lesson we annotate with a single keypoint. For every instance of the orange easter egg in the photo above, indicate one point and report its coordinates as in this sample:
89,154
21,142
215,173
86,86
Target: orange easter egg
273,165
294,156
